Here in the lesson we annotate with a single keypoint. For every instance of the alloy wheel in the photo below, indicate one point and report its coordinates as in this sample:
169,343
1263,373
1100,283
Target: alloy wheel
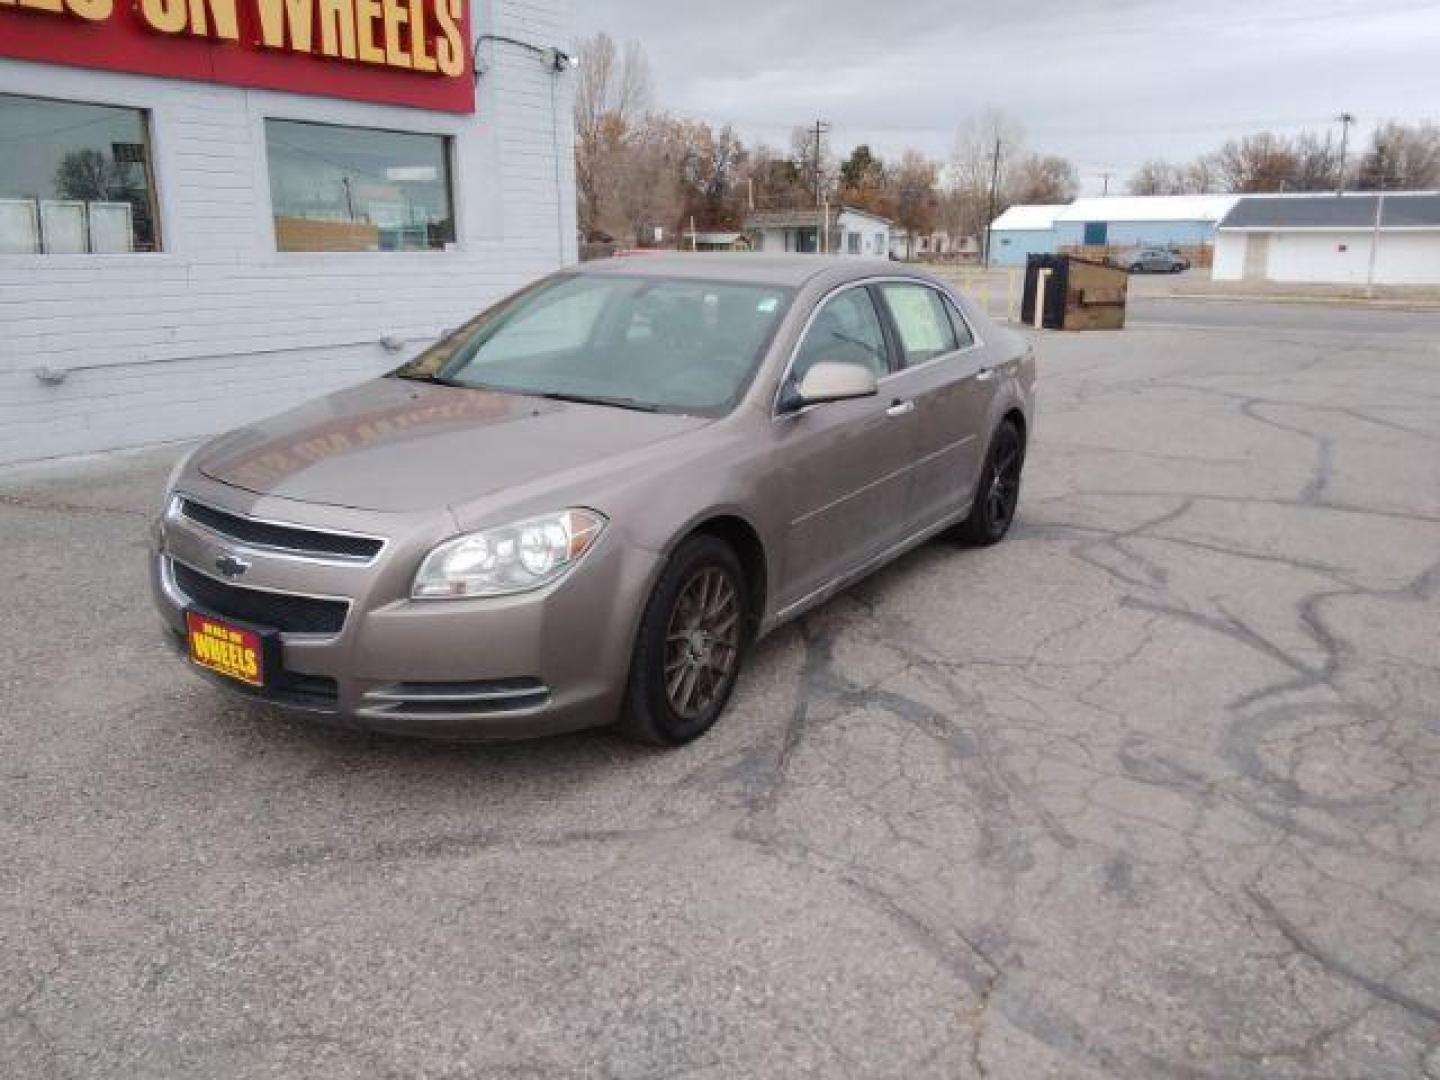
1003,492
702,642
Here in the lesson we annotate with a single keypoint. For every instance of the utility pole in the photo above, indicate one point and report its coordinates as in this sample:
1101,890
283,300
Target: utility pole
1379,219
1346,119
822,127
1105,181
994,191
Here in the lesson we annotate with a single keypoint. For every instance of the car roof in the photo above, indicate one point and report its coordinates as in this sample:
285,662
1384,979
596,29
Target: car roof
792,271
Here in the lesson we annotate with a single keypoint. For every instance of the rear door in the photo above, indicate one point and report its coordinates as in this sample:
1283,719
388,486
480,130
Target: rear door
844,468
942,371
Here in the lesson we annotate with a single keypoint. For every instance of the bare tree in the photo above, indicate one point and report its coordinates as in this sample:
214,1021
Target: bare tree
1202,176
1258,163
814,160
1043,178
1158,177
916,200
641,188
777,181
611,96
709,167
1317,162
987,147
972,162
1402,156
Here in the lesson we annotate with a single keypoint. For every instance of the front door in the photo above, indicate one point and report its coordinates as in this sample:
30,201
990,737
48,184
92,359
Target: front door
844,468
1257,256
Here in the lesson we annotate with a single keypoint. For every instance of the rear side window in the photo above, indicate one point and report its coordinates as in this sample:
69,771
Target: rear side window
963,336
923,323
846,331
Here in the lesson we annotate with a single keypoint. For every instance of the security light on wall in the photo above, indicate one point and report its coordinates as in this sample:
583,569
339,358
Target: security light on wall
553,57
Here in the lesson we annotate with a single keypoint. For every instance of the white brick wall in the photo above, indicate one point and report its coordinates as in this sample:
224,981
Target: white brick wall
220,328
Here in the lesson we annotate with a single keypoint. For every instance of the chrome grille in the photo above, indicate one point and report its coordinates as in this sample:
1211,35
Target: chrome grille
283,539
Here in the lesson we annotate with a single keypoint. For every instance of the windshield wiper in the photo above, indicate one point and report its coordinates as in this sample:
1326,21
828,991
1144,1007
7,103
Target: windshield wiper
597,399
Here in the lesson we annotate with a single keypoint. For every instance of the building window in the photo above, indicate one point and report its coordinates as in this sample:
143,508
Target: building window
74,179
358,189
852,242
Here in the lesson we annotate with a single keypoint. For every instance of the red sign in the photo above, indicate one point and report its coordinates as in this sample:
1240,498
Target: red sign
396,52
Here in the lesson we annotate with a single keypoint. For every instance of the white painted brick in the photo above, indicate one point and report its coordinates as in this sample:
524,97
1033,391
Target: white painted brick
220,329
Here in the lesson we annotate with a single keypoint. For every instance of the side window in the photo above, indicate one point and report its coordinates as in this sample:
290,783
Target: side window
963,337
923,323
846,331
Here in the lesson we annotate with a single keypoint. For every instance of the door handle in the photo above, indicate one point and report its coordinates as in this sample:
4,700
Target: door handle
900,408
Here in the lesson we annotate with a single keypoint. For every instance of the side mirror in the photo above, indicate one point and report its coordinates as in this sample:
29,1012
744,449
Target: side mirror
828,381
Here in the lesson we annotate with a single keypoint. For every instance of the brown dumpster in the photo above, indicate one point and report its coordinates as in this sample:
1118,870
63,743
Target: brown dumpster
1080,294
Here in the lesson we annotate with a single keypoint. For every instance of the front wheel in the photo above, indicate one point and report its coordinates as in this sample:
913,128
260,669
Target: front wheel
691,642
993,510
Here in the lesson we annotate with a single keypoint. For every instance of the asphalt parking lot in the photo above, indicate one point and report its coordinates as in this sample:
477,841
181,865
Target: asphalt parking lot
1150,790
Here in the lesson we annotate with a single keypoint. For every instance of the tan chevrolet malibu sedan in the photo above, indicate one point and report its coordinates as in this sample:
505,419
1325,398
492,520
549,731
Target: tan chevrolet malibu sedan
583,506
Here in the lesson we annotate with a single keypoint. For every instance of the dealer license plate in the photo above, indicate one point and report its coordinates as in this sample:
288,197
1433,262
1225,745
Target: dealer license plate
226,649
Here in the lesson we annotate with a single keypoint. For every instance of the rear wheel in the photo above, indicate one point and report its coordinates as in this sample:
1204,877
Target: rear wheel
691,642
999,492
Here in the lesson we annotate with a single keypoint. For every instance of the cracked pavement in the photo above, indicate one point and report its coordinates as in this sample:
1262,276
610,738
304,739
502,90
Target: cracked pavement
1150,790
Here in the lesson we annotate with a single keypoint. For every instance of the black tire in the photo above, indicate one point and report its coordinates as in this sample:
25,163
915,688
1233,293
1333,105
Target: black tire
680,644
998,493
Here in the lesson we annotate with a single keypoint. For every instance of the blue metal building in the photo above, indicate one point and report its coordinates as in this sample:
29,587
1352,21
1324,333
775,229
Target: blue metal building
1183,221
1142,221
1022,231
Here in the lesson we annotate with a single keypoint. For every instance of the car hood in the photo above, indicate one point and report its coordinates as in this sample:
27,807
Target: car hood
396,445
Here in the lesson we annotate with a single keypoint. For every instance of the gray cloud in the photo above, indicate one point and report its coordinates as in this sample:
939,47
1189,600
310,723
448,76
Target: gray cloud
1106,84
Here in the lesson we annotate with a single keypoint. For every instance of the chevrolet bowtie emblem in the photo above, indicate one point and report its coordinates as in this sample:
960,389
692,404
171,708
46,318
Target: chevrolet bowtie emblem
231,566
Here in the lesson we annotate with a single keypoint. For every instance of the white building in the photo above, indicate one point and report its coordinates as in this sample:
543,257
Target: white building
938,244
1353,239
847,231
195,233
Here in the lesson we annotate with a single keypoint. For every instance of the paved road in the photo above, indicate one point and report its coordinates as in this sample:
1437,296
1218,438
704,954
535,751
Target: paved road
1339,319
1151,790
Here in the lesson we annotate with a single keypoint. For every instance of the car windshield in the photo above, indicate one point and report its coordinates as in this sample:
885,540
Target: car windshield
652,343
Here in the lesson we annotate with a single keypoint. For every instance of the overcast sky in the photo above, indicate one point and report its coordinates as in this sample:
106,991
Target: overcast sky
1107,84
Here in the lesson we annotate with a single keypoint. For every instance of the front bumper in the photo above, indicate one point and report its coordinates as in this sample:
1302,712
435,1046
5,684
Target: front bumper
510,667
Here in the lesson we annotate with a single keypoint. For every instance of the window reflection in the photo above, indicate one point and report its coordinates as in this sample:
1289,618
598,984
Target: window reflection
74,178
357,189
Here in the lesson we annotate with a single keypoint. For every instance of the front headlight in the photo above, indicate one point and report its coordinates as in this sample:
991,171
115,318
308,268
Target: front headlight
508,559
